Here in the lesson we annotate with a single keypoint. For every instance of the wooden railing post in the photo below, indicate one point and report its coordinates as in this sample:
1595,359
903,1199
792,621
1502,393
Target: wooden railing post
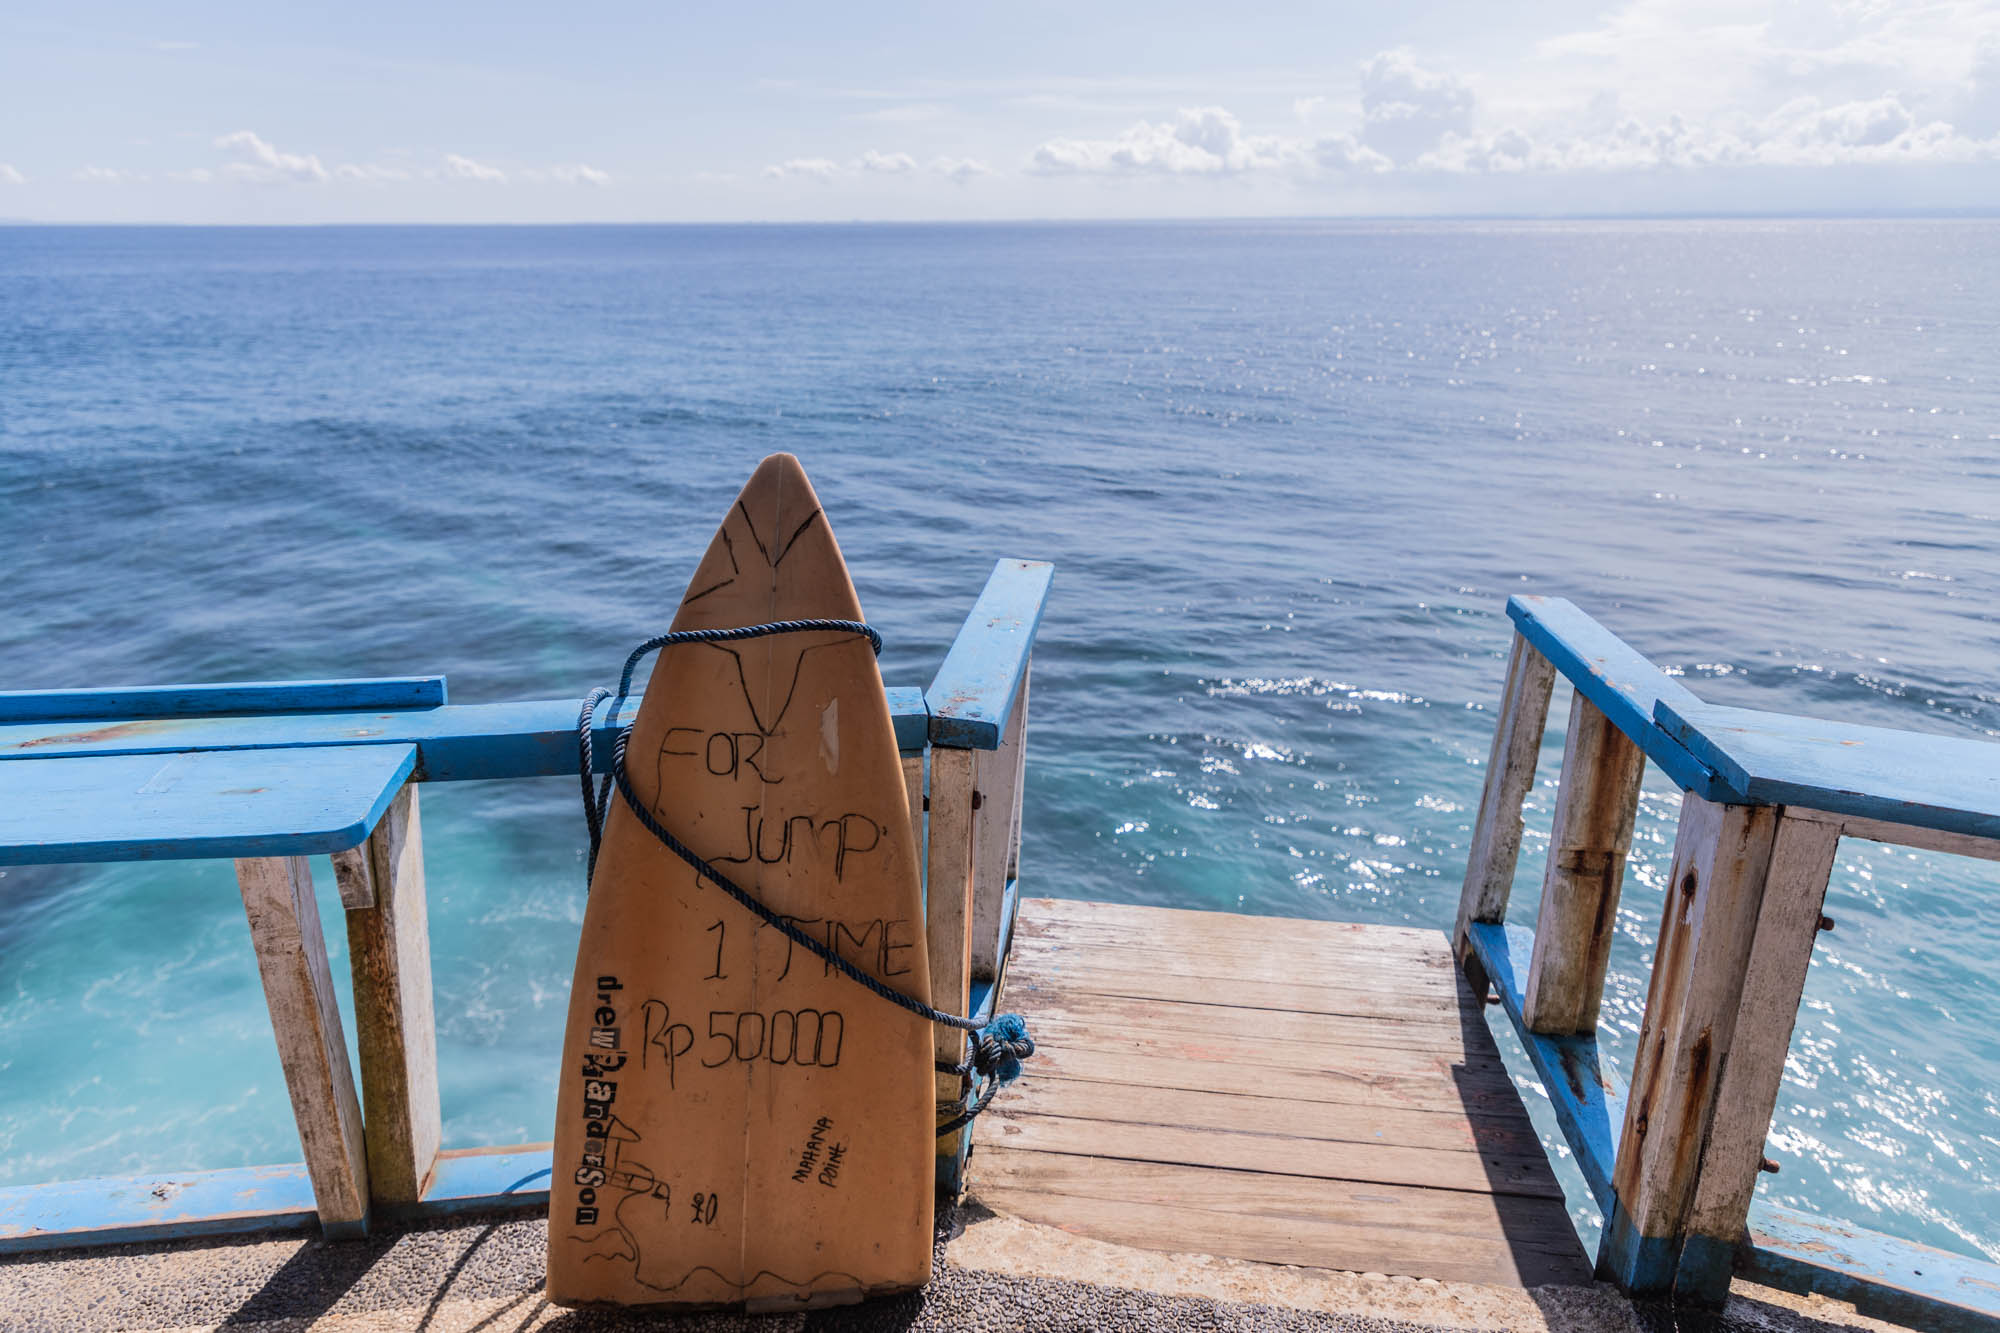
298,988
388,943
1596,804
948,911
1510,772
1788,921
1722,855
993,840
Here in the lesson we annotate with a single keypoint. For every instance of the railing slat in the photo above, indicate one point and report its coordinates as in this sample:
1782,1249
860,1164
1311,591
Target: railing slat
1721,856
1510,772
999,776
1747,1092
948,912
1596,805
395,1030
298,987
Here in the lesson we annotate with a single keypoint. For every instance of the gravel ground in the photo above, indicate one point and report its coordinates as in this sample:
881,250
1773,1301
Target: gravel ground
429,1278
485,1276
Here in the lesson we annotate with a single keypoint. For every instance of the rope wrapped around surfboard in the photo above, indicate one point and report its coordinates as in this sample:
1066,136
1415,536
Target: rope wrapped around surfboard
998,1045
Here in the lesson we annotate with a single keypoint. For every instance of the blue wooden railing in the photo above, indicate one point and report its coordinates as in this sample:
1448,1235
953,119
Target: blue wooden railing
1766,799
270,773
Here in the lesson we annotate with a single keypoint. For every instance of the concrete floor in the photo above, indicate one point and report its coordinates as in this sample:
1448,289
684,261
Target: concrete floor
993,1273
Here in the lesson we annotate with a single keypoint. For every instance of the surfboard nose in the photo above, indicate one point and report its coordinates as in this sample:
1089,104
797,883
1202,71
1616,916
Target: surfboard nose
776,519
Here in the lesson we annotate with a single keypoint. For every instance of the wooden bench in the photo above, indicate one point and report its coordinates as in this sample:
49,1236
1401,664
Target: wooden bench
1766,798
270,773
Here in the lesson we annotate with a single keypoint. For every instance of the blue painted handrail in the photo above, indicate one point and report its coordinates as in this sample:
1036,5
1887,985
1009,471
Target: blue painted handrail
252,696
1618,679
973,694
459,742
1951,783
192,806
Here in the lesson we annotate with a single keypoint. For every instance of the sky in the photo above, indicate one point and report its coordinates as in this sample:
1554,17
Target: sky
452,111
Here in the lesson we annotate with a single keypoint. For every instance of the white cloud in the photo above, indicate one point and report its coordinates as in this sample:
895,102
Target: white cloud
261,163
1199,141
894,164
9,176
1406,109
571,173
372,173
960,169
813,168
108,175
465,169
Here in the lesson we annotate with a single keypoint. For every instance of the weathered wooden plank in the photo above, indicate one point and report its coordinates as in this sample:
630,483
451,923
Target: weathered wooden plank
948,911
298,987
237,804
1287,996
1504,1137
1428,954
1747,1085
1623,684
998,775
1441,1033
1586,1094
975,688
1949,783
1276,1154
1901,835
1451,1234
1377,974
243,696
1721,857
1510,773
530,739
1595,809
1049,914
913,784
1417,1092
1249,1048
1881,1276
1303,1241
395,1032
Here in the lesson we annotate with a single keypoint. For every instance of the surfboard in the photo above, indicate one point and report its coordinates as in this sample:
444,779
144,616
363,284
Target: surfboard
738,1123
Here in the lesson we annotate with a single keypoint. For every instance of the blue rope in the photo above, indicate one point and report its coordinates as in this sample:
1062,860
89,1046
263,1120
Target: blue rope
998,1047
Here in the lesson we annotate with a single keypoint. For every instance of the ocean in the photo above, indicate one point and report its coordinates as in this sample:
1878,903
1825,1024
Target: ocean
1289,473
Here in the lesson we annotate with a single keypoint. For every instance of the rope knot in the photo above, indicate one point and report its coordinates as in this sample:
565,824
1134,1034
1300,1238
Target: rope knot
1000,1047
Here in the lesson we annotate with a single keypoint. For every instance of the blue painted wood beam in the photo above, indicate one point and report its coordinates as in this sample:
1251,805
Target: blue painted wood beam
912,718
1899,777
251,1200
1886,1278
536,738
231,697
1588,1097
115,1209
1614,676
973,693
226,803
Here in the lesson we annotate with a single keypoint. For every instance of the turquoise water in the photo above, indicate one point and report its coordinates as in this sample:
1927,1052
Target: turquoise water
1289,474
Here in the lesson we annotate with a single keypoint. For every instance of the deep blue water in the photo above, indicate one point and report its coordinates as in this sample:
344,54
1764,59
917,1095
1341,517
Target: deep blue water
1289,474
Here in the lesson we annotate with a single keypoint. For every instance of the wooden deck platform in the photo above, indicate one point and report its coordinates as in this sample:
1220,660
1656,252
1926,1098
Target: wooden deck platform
1293,1092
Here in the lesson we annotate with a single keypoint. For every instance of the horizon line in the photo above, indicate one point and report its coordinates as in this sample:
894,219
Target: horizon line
1974,212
